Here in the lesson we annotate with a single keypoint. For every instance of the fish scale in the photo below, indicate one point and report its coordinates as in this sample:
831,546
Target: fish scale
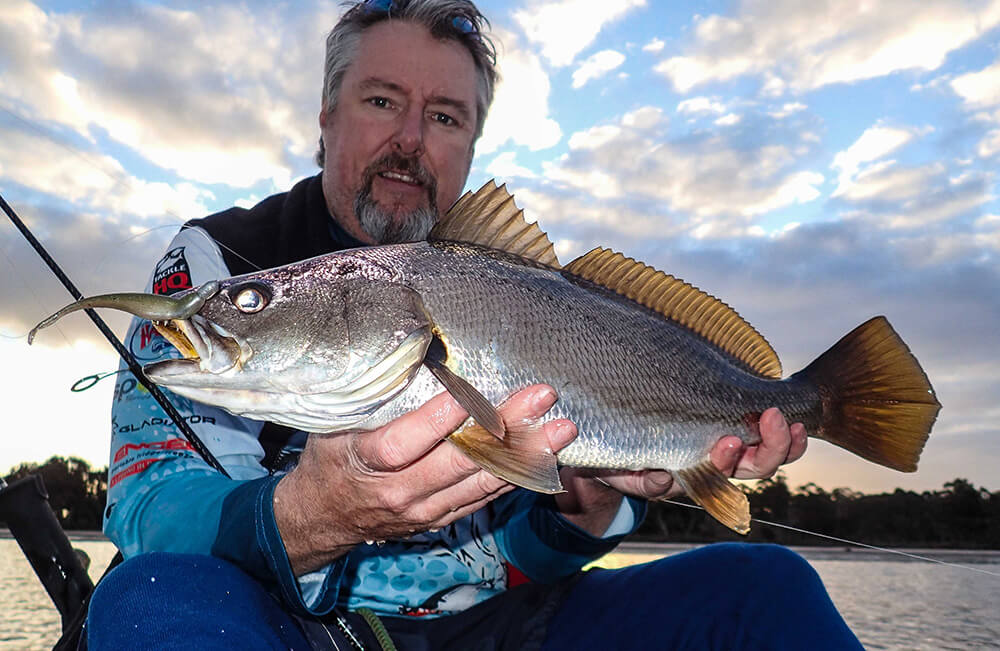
634,383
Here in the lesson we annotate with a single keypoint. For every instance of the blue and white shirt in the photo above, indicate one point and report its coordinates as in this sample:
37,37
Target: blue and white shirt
163,497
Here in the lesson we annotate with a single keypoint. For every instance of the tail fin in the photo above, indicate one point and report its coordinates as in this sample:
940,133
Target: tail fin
877,401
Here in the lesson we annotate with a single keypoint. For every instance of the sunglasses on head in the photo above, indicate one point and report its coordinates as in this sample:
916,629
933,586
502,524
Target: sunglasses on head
461,23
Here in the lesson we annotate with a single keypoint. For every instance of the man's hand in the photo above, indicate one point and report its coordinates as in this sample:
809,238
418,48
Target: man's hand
395,481
593,497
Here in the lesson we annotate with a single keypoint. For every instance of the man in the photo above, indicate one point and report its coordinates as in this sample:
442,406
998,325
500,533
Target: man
392,522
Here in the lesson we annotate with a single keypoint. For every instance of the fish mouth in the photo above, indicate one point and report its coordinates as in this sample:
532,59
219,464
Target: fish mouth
212,347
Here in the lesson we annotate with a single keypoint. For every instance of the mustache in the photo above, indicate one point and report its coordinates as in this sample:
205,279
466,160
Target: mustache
395,161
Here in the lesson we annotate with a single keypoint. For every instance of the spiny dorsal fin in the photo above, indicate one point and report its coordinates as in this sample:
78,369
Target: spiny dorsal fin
685,304
489,217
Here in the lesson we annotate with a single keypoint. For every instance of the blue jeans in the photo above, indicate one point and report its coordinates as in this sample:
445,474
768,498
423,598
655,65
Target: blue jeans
723,596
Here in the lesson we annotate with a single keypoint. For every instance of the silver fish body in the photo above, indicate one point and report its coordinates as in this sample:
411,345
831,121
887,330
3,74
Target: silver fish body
652,370
644,391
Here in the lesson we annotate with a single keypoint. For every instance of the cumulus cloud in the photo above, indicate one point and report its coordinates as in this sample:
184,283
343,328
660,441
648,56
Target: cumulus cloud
980,92
565,28
809,45
902,195
225,95
504,166
707,182
597,65
979,89
91,180
697,105
875,143
520,114
654,46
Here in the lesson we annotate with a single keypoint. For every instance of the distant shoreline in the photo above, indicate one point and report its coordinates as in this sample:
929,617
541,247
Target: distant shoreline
812,552
86,536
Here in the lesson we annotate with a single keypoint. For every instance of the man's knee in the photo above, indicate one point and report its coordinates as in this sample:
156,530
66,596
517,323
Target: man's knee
143,581
186,601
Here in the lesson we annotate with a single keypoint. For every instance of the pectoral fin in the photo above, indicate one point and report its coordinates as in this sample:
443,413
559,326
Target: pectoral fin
512,459
708,487
467,395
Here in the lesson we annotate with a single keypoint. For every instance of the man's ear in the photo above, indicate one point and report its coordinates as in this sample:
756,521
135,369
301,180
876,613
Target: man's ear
322,117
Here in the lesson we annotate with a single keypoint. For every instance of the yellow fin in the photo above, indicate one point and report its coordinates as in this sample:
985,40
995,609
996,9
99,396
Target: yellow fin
877,400
510,459
489,217
706,485
682,303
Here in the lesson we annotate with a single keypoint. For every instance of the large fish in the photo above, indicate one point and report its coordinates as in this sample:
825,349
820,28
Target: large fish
652,370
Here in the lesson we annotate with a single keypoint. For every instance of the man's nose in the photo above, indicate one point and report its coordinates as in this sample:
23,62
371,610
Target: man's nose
409,136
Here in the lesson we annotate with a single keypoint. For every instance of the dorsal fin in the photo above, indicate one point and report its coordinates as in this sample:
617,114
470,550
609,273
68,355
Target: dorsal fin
685,304
489,217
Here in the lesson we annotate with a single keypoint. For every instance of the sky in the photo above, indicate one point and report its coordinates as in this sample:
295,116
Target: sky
811,164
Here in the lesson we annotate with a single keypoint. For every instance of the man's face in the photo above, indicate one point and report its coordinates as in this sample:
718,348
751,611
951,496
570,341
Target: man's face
399,141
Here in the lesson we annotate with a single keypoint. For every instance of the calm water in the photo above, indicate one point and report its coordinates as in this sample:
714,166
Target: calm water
890,603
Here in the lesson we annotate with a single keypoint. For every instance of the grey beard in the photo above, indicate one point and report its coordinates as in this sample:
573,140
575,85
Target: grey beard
386,229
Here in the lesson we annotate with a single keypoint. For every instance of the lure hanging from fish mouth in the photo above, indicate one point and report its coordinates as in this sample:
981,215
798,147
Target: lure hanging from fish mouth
199,341
155,307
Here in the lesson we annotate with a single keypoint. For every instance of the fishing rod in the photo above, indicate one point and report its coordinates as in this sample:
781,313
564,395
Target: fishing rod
196,443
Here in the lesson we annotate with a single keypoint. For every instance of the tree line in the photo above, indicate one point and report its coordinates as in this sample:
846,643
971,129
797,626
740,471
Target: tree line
77,492
958,516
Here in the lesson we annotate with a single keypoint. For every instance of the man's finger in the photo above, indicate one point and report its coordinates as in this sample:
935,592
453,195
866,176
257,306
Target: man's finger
775,441
726,454
799,440
410,436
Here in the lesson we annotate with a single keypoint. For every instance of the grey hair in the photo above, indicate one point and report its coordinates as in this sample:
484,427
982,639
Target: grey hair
456,20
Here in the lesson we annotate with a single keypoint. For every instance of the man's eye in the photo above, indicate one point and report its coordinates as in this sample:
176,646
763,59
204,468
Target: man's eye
444,118
380,102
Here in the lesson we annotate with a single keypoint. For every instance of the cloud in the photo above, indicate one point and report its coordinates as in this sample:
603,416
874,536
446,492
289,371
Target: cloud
874,143
596,65
728,120
980,92
990,144
711,183
654,46
979,89
809,45
788,109
698,105
225,95
565,27
504,166
91,180
896,195
520,113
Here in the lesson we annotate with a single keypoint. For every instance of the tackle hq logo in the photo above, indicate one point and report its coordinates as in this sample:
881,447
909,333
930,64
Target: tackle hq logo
172,273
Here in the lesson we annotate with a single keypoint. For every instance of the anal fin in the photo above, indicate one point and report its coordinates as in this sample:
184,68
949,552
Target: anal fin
712,490
511,459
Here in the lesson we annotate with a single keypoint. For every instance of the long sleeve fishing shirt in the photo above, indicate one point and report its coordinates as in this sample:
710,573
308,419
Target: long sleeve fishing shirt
163,497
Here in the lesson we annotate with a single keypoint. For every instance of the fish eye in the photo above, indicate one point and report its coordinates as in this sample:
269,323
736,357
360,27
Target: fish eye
249,299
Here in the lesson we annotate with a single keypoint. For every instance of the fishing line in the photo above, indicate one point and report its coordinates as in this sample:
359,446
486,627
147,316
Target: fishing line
30,290
123,352
851,542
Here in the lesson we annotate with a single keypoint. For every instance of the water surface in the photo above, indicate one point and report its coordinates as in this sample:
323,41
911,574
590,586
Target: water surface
890,602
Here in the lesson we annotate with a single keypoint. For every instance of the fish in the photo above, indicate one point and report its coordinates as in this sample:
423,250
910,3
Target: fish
651,369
